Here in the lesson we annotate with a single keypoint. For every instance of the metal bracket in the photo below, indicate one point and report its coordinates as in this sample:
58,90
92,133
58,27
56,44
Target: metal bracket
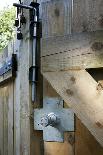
20,18
53,119
8,69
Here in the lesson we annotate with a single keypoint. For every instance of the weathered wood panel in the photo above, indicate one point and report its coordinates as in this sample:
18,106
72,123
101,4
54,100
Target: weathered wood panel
81,142
24,98
6,121
68,16
17,102
7,105
10,119
81,92
85,143
56,17
60,52
77,51
1,123
87,15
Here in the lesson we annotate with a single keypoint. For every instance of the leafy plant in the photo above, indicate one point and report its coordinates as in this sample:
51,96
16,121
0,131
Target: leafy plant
7,16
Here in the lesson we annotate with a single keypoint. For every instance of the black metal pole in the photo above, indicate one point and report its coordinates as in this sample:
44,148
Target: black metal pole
23,6
34,34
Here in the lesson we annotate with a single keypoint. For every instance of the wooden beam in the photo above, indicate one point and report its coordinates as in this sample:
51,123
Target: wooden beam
85,143
81,92
76,51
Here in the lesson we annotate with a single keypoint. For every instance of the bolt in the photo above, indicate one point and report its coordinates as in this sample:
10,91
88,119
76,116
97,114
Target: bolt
51,119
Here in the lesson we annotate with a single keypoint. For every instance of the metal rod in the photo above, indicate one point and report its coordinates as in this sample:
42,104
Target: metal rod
34,47
23,6
34,55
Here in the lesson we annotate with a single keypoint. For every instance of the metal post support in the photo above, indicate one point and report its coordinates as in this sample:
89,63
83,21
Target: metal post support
34,25
34,20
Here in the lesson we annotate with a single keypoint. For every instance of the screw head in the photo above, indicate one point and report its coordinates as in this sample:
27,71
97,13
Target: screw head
51,119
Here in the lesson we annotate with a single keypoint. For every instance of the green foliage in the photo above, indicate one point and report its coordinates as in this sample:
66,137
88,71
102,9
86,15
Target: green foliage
7,17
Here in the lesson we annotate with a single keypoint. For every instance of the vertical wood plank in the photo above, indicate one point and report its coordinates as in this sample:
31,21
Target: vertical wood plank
54,148
1,123
24,100
69,16
56,17
17,103
5,119
10,119
87,15
85,143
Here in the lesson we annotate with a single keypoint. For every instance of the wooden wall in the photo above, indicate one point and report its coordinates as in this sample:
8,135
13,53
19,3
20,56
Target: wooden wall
6,120
7,111
61,20
17,134
80,142
69,16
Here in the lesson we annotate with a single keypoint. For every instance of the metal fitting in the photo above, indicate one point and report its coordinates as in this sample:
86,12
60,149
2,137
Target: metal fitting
51,119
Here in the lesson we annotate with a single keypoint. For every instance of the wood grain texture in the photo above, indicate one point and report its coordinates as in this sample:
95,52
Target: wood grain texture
7,105
54,148
10,119
80,91
1,123
76,51
56,17
85,143
24,99
62,51
87,15
17,102
6,122
66,16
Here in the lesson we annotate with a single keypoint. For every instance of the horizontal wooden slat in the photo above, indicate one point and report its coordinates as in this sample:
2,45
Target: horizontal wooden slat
77,51
83,94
